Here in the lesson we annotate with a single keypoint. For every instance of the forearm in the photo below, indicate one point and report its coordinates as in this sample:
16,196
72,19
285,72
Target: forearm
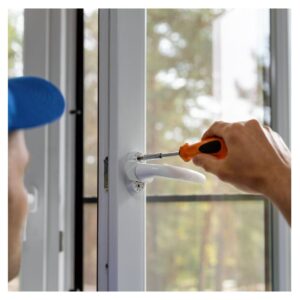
278,189
258,161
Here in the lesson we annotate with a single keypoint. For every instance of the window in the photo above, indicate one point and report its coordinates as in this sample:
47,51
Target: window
202,67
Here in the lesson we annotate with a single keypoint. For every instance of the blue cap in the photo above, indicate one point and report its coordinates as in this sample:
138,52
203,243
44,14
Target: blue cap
33,102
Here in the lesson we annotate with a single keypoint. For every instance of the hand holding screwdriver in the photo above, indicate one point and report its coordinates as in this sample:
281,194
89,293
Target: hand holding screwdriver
257,161
248,155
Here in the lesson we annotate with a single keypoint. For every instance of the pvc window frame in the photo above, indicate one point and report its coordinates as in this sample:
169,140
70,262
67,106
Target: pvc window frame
121,231
48,252
280,122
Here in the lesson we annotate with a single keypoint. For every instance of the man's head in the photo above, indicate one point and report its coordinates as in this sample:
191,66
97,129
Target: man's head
32,102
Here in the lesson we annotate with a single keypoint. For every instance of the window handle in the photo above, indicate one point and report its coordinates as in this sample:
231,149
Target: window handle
32,199
146,172
139,173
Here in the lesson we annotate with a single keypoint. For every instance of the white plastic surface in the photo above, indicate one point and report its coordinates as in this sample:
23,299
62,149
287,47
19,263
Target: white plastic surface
144,172
137,171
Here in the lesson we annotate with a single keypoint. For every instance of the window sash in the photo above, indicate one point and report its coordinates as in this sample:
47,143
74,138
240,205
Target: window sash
116,33
49,52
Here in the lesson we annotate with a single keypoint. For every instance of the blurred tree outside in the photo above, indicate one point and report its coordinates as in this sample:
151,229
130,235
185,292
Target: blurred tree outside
208,245
183,83
90,101
15,42
90,145
205,246
179,69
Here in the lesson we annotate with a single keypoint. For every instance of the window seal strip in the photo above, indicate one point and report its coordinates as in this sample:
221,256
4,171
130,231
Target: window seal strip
79,176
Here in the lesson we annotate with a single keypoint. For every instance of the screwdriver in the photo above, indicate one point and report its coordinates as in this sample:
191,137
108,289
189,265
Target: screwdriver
213,145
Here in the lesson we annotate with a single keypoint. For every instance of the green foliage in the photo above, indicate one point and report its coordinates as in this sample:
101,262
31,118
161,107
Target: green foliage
204,246
15,42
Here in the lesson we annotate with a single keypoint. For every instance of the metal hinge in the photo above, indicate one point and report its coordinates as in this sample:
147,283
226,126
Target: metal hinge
61,235
75,112
106,174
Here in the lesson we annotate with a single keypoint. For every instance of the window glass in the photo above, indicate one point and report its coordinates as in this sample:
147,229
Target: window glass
204,65
90,247
15,42
90,101
15,68
90,146
205,245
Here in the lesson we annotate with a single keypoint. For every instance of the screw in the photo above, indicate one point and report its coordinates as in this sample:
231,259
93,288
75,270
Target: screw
139,186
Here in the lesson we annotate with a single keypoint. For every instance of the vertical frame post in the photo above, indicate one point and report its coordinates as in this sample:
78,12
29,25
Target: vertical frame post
103,140
36,63
123,81
280,121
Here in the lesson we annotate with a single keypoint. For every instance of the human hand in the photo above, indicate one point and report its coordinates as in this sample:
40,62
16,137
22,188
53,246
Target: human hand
257,161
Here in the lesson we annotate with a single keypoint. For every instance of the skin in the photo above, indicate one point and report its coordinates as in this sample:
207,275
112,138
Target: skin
18,158
257,161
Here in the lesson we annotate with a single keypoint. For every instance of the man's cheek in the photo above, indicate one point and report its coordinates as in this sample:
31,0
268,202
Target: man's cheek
18,207
24,206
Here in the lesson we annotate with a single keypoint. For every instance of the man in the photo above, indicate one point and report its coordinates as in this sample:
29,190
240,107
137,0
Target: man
31,102
258,161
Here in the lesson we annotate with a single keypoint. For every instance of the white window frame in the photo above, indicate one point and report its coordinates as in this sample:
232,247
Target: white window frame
280,122
121,239
50,52
121,247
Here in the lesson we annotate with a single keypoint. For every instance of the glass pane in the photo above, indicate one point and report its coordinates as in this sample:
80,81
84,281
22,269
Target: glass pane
15,68
202,66
206,246
90,247
90,101
90,146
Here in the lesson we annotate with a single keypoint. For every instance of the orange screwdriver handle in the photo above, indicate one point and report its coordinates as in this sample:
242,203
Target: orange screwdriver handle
214,146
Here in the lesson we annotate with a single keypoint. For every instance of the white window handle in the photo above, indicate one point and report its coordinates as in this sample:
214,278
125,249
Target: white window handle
139,173
144,172
32,199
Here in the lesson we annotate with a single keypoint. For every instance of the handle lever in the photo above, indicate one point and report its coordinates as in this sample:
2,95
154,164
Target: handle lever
141,172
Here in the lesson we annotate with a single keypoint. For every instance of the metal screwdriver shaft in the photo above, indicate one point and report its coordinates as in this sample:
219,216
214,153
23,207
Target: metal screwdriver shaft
214,146
157,155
